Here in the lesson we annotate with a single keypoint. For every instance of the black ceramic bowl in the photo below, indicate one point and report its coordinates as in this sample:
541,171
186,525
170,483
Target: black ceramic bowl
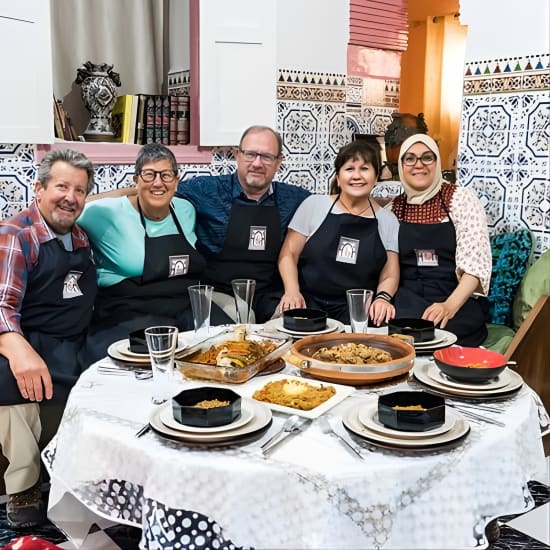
305,320
429,410
138,343
475,365
185,410
420,330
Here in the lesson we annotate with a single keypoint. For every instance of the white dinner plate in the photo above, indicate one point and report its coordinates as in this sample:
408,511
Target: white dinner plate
351,421
341,393
499,381
166,416
442,339
368,416
123,348
421,372
261,419
332,326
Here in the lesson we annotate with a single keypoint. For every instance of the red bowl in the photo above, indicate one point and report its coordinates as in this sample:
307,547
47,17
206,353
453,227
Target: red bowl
470,364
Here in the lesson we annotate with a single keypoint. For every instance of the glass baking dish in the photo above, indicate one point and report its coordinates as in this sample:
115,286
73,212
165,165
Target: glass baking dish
229,374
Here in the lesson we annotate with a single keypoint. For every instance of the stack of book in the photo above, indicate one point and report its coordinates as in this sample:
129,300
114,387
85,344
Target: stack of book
147,118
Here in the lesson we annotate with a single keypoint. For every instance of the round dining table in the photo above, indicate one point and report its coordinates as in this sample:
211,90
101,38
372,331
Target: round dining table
309,492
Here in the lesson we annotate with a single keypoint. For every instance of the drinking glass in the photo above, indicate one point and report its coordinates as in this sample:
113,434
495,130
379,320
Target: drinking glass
161,343
201,302
359,300
243,291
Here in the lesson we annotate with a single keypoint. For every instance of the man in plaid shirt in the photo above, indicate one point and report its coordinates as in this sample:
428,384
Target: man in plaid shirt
47,290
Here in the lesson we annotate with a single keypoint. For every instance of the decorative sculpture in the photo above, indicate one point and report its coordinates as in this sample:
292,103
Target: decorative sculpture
98,84
401,127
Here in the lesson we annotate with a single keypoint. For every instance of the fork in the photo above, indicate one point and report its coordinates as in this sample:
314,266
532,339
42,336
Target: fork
326,428
291,425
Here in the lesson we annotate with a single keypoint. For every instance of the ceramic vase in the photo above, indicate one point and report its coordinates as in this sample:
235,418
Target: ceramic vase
98,83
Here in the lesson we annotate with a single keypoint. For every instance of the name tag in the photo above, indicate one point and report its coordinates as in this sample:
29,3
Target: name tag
178,265
426,258
347,250
70,285
257,238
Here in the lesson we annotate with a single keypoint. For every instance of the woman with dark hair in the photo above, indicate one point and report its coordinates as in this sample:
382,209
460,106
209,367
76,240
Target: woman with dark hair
444,249
343,240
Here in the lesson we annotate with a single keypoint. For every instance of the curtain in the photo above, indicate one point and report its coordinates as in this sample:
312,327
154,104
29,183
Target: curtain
132,35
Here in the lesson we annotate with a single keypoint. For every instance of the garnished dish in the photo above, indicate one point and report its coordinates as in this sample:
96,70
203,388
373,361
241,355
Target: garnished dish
352,354
232,356
233,353
295,394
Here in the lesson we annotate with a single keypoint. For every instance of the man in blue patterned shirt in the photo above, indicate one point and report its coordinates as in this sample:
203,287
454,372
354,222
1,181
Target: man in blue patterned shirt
242,218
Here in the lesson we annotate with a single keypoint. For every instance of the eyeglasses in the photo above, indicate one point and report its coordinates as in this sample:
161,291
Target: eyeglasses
149,176
266,158
411,159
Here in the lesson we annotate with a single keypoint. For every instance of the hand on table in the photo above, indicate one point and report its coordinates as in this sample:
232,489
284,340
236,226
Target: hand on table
381,311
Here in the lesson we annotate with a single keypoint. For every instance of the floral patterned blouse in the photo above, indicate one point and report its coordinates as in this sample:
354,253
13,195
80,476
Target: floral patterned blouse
473,250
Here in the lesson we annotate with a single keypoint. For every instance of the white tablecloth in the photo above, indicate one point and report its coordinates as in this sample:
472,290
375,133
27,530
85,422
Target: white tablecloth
309,493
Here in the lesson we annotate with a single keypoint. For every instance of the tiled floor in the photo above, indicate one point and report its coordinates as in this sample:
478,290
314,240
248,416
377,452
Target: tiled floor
528,531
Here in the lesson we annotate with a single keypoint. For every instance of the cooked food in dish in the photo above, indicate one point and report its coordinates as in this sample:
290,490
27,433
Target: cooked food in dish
211,404
408,408
352,354
234,353
295,394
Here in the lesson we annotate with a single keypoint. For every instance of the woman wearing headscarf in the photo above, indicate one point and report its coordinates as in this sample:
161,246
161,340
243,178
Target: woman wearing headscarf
444,250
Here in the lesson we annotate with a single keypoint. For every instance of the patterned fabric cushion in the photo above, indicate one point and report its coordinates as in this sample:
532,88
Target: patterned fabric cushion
511,253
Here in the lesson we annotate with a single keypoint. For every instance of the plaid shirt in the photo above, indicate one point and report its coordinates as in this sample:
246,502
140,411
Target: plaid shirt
20,240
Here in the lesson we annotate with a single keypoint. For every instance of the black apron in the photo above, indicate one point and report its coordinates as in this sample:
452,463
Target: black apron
158,297
250,251
55,314
345,252
433,246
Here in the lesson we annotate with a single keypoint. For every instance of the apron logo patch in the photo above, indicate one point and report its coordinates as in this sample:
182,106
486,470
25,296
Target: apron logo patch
347,250
70,285
178,265
258,236
426,258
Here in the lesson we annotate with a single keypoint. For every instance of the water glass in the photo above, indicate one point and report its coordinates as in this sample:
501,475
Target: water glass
201,302
243,291
161,343
359,300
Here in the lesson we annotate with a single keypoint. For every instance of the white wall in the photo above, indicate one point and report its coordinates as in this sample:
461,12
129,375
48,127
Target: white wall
312,35
505,28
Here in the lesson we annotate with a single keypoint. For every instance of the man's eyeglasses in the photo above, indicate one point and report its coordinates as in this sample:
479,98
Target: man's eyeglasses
149,176
411,159
266,158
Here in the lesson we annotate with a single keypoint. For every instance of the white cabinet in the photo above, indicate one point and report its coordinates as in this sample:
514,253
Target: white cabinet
238,70
26,95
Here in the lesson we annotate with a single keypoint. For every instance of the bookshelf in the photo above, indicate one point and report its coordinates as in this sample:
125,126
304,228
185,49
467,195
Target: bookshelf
124,153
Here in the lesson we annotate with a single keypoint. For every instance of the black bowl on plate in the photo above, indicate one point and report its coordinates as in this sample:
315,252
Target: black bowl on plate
419,329
185,410
138,343
305,320
474,365
429,411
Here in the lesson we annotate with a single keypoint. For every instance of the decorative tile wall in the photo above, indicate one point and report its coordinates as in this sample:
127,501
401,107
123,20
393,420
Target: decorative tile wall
504,145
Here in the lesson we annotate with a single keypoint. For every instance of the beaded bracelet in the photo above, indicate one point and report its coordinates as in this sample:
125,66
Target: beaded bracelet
384,296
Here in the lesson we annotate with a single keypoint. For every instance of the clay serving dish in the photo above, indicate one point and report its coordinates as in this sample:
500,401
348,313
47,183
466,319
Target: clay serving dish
470,364
428,412
305,320
186,412
301,353
419,329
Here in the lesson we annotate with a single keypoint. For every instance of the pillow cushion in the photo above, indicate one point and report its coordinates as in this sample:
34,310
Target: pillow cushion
535,283
511,253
